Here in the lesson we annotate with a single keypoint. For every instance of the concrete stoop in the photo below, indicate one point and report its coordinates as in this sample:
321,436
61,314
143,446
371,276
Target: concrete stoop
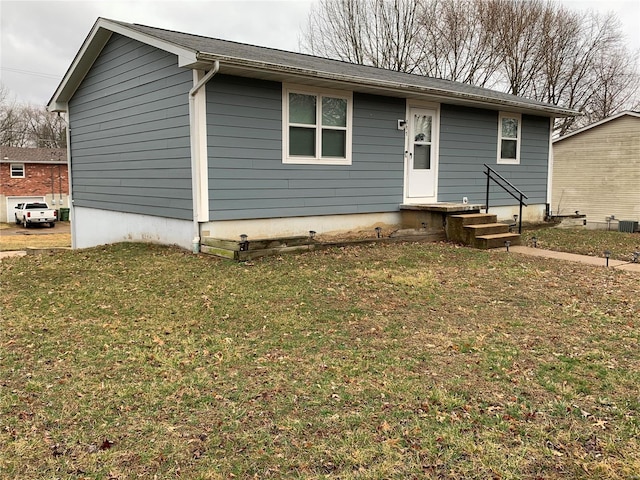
479,230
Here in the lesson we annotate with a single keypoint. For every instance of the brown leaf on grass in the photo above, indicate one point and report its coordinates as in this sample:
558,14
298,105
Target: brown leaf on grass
57,450
106,444
385,427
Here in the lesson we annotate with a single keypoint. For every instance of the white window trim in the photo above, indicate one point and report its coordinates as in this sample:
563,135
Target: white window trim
16,165
318,92
509,161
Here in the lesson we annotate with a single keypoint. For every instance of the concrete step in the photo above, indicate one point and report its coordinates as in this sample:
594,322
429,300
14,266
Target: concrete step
496,240
455,226
487,229
474,218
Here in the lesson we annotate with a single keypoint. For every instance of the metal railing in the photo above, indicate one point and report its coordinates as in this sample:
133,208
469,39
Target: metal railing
508,187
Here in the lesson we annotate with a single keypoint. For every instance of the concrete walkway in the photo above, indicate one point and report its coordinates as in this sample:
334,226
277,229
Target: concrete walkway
572,257
14,253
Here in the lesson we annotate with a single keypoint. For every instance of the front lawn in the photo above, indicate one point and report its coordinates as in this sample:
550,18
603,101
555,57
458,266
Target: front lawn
391,361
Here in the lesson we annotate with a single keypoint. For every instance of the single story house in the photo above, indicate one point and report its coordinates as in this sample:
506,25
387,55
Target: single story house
596,171
32,175
175,136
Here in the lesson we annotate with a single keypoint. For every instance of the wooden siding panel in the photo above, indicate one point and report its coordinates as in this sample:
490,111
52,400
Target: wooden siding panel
247,178
130,133
597,172
469,139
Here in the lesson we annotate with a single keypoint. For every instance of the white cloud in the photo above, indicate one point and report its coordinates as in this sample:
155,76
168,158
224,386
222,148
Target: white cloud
41,38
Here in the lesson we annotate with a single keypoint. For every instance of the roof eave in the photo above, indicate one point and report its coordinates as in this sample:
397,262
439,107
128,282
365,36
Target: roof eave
598,123
40,162
91,48
385,86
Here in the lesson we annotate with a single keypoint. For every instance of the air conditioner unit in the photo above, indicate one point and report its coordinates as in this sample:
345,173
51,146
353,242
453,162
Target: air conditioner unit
628,226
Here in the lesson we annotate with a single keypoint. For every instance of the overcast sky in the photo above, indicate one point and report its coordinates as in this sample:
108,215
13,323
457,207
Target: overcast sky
39,39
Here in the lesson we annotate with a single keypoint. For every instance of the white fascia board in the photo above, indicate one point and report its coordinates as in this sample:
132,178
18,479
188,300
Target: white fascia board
91,48
593,125
438,94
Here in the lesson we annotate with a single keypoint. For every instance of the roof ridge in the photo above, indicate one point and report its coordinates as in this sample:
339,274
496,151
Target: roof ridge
198,51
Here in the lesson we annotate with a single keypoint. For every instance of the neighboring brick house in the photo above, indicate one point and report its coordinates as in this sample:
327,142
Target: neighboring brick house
32,174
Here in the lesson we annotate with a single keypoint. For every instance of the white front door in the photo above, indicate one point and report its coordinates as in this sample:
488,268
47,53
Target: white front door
422,155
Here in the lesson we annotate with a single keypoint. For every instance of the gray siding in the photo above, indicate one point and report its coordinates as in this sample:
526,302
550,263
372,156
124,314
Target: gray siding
247,178
130,133
469,138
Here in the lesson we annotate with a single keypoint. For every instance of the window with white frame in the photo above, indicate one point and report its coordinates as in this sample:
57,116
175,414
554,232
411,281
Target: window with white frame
509,138
316,126
17,170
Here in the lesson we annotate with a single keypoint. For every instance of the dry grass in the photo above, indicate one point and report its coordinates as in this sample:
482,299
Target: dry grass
586,242
29,239
393,361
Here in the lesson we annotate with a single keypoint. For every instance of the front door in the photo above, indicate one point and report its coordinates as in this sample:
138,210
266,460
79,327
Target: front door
422,158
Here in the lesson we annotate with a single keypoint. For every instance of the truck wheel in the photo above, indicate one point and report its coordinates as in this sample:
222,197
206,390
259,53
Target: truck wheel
52,224
17,220
24,223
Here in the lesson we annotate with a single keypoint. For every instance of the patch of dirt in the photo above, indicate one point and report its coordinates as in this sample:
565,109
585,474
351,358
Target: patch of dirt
11,229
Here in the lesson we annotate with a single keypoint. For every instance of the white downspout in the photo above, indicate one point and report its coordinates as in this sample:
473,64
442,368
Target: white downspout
198,134
552,121
65,118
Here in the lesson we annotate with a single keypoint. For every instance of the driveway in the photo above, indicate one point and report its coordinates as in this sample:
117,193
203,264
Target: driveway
61,227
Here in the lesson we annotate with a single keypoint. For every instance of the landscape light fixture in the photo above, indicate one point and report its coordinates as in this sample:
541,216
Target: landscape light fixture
535,242
379,231
424,225
507,244
636,257
244,243
607,255
312,234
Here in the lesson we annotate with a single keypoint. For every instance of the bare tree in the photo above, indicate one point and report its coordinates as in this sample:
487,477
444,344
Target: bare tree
381,33
12,129
46,129
457,46
29,126
585,66
533,48
516,29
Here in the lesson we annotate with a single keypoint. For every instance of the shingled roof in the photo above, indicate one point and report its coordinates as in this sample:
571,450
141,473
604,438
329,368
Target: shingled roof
33,155
196,51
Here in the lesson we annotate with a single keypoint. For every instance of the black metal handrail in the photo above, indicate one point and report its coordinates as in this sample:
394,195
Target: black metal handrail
510,188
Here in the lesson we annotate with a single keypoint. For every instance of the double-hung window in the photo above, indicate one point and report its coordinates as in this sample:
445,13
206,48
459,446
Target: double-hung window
17,170
316,126
509,138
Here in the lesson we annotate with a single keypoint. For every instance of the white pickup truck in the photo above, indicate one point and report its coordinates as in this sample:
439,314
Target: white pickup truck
29,214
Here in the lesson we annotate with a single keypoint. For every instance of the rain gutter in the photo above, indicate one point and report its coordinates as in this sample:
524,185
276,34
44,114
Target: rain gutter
388,86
